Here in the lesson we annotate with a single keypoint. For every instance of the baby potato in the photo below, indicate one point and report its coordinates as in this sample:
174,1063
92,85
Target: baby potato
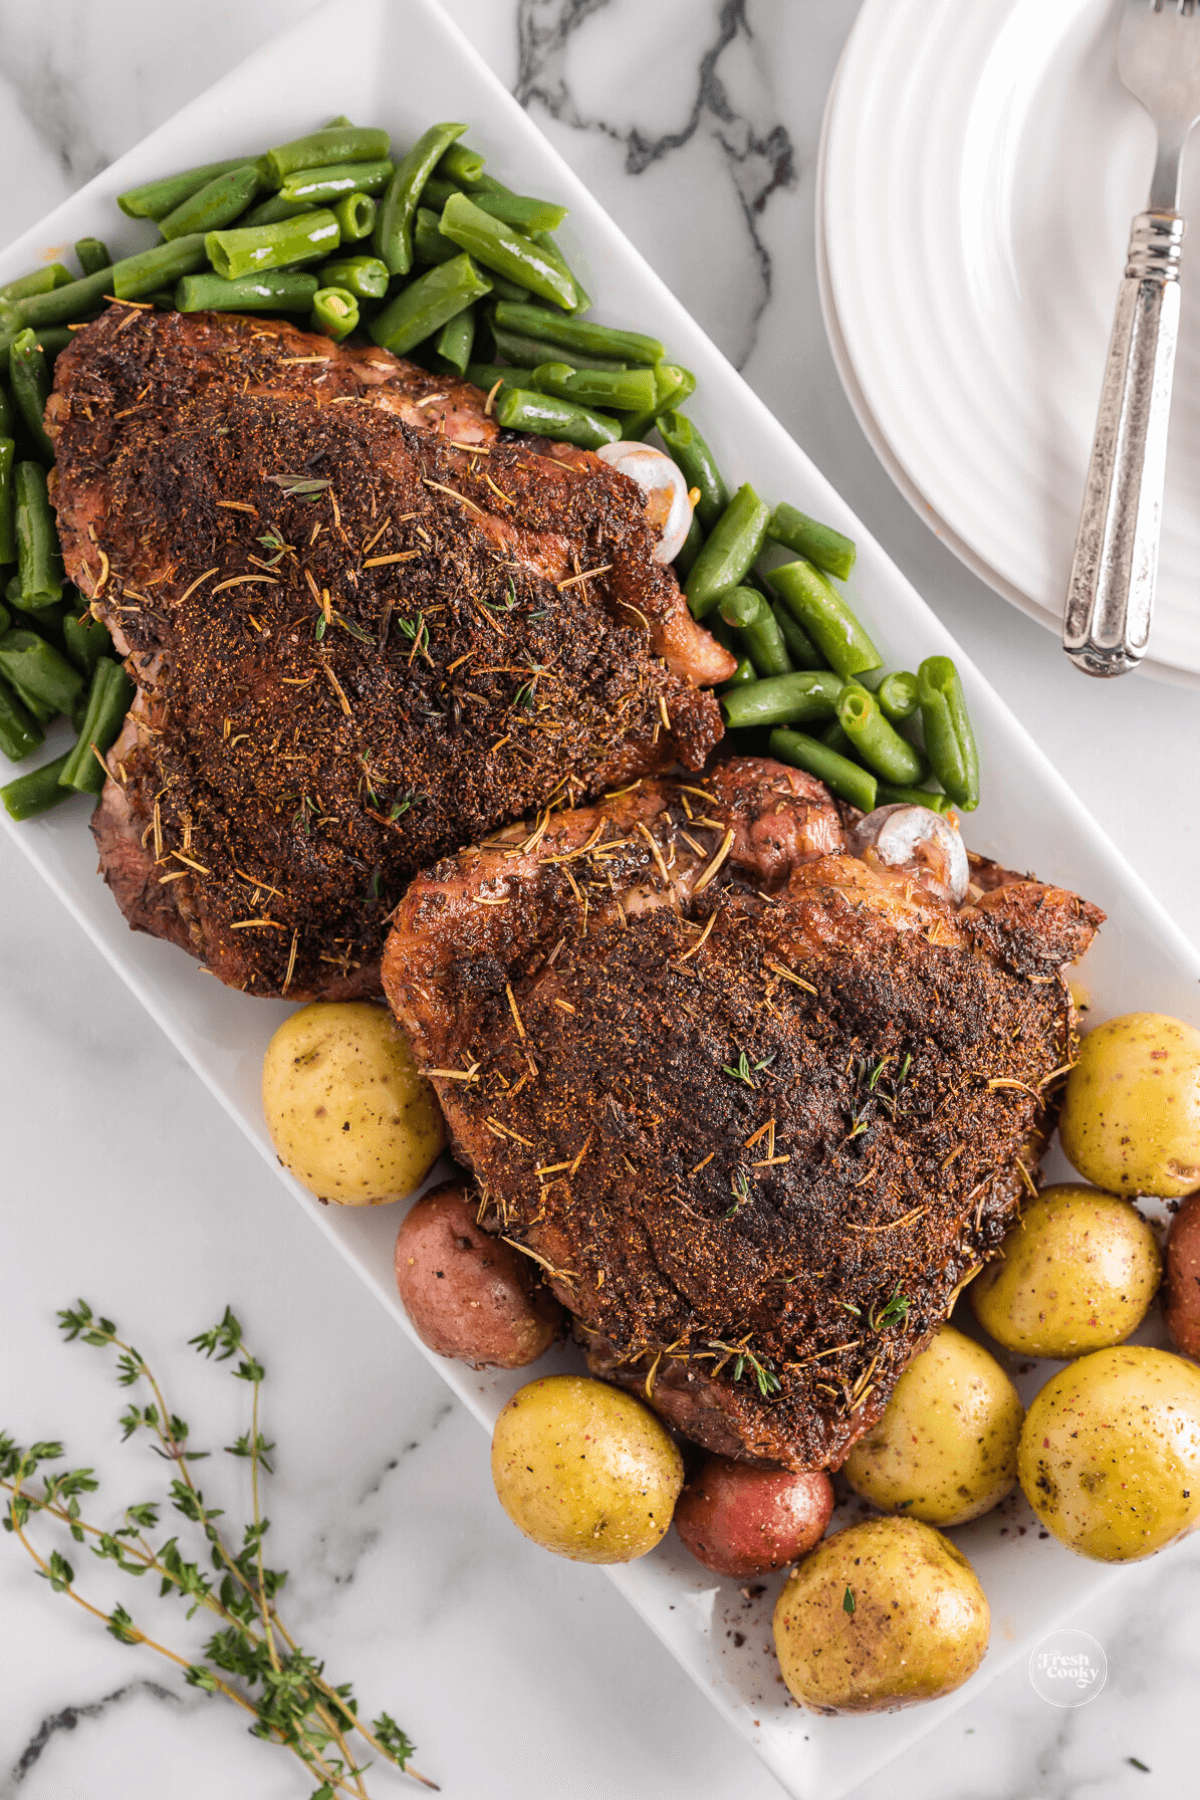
1181,1294
349,1113
1077,1272
585,1470
945,1450
469,1294
1131,1113
881,1615
738,1519
1110,1453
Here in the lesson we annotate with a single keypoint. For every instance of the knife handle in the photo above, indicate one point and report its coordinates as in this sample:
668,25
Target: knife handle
1110,597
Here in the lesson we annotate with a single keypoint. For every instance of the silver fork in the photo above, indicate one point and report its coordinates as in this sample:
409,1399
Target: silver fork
1110,599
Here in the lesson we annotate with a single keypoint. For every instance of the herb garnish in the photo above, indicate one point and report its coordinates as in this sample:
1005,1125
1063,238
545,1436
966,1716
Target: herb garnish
848,1601
301,487
745,1070
741,1192
253,1650
860,1117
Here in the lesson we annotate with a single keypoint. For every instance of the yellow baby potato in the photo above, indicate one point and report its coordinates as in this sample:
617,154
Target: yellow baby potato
1131,1114
945,1450
349,1113
1110,1453
1077,1272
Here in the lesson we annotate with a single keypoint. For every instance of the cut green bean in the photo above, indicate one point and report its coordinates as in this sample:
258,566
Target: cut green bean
158,198
107,703
797,699
812,599
619,391
685,562
47,621
320,149
531,353
486,375
39,562
906,796
8,426
252,249
546,243
92,255
31,387
459,163
898,695
508,290
5,618
39,281
841,776
36,668
86,640
497,246
744,676
8,511
817,543
673,384
273,211
356,215
578,334
136,276
363,276
425,305
436,192
521,409
67,305
521,211
392,239
429,246
334,313
456,339
279,290
321,187
20,732
218,203
834,737
731,548
801,649
946,728
338,119
747,613
876,741
688,450
36,792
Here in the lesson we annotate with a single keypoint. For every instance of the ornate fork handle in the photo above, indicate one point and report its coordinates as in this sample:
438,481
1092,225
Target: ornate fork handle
1111,593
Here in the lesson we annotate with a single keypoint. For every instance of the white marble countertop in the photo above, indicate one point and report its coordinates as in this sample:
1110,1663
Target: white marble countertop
696,123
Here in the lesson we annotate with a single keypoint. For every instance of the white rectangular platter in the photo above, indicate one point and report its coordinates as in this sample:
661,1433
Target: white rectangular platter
401,64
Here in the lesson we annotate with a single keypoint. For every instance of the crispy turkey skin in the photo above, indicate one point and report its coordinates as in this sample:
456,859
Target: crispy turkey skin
758,1106
366,628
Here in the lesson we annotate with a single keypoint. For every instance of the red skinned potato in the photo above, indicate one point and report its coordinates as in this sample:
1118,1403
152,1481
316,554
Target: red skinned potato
738,1519
470,1295
1181,1278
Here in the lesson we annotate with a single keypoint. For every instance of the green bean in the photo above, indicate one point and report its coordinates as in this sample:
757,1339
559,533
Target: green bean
519,210
620,391
692,546
499,247
673,383
811,598
877,742
273,211
748,613
688,450
435,193
429,246
8,426
718,629
136,276
321,187
35,667
456,339
841,777
158,198
31,387
898,696
47,621
392,239
250,250
51,340
486,375
532,353
39,563
8,518
66,305
356,215
458,163
744,676
92,255
38,281
730,549
36,792
521,409
338,119
800,647
332,144
363,276
424,305
5,618
579,334
834,737
817,543
906,796
546,243
796,699
86,640
20,732
334,313
276,291
218,203
107,703
507,290
946,728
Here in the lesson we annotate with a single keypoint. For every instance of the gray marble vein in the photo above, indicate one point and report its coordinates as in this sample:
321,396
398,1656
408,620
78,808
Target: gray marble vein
69,1718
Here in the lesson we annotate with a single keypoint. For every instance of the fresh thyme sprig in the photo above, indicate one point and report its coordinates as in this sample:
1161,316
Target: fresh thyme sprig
745,1069
261,1667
